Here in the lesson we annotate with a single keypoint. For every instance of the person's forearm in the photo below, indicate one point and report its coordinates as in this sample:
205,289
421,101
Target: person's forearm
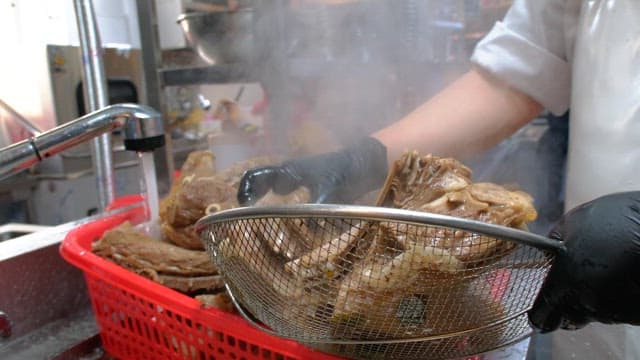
469,116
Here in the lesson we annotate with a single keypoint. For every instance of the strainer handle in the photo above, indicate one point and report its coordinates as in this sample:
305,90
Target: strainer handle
246,316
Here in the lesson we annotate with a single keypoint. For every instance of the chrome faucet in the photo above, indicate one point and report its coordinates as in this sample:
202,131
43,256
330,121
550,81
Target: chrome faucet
142,125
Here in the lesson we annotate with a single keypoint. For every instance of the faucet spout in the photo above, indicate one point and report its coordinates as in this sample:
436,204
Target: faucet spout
142,125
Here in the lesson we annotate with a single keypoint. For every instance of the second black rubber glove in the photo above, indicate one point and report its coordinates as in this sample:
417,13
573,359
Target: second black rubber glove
598,277
340,176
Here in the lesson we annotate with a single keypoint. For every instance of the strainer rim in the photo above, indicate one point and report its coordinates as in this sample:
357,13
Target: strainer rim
375,213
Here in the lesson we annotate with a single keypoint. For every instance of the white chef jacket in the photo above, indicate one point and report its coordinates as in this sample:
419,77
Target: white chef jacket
583,55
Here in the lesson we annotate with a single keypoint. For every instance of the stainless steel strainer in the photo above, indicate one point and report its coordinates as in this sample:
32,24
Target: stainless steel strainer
372,282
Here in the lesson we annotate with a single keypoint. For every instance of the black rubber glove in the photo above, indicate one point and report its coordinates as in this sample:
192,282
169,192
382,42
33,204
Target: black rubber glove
341,176
598,278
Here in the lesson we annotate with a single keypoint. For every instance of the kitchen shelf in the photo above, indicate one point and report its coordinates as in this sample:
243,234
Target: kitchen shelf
296,68
214,74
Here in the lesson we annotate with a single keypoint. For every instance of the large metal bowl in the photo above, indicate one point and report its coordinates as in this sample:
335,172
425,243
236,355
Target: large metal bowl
220,37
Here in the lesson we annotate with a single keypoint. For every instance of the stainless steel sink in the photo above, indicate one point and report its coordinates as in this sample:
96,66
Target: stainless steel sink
14,230
44,303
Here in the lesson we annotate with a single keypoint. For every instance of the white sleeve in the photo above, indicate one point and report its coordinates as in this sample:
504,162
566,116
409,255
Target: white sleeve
529,51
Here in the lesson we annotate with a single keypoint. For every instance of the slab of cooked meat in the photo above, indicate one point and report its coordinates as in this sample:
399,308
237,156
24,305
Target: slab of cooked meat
444,186
369,279
220,301
407,312
428,270
181,269
382,279
185,237
200,189
197,164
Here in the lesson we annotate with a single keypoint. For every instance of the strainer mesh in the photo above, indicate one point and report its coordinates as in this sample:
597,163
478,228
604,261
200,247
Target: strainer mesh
337,283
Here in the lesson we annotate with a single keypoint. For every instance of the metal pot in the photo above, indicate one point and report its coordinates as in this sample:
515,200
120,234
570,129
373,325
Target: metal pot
220,37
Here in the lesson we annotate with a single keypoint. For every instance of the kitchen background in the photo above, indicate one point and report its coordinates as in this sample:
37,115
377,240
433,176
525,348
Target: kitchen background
317,74
302,76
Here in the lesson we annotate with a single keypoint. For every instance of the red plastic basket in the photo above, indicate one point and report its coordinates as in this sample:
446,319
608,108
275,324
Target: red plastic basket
140,319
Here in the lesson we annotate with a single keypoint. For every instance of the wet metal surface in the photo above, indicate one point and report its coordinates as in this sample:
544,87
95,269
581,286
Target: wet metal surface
43,297
39,287
65,338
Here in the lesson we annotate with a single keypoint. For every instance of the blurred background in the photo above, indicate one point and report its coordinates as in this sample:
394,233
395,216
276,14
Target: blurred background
238,77
243,78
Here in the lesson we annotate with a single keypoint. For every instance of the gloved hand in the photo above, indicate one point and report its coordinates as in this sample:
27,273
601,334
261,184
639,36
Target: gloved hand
341,176
598,277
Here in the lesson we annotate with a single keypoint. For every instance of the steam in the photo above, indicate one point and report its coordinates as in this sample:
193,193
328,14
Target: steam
360,65
352,67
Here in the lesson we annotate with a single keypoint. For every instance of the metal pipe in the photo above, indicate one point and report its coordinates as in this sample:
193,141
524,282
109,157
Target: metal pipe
140,122
96,97
153,84
33,129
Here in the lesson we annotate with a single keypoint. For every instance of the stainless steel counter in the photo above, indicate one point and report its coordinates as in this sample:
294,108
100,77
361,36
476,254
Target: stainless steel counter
73,337
45,299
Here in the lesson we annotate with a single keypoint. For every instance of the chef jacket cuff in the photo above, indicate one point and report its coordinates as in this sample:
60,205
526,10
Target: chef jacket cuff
526,66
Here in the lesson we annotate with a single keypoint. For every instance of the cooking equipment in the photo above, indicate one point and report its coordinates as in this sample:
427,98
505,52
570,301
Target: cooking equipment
220,36
474,309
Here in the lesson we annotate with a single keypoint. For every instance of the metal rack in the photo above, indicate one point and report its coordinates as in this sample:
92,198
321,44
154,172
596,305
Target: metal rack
218,74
